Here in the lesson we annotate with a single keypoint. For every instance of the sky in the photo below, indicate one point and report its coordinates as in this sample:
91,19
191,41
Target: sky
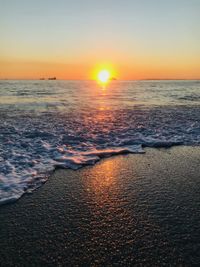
136,39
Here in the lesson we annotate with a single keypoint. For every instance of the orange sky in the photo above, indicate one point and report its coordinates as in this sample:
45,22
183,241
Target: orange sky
137,70
74,39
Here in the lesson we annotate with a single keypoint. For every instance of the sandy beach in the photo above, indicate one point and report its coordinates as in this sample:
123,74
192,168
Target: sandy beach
100,133
129,210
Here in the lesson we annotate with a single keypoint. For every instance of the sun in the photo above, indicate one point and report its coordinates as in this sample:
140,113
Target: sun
104,76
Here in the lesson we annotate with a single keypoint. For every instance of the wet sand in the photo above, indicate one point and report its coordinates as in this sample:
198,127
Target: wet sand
129,210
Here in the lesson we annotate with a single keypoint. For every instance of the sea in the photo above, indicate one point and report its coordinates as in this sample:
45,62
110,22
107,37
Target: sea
46,125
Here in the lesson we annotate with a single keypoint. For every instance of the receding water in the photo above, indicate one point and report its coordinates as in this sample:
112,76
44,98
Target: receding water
69,124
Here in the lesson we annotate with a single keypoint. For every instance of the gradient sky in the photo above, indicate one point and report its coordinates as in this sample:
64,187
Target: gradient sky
70,38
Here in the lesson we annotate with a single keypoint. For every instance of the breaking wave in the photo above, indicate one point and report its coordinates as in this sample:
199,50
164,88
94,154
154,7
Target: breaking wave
35,142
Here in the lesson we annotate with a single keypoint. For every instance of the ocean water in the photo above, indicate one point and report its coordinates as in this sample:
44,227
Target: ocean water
70,124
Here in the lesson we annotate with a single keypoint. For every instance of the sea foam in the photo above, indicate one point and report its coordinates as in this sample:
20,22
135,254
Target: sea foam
66,125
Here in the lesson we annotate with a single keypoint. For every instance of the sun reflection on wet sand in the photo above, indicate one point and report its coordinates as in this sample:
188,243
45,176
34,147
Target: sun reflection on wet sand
102,188
118,210
109,207
105,192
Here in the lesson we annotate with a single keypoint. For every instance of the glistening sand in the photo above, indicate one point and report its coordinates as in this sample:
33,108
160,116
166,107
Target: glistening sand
130,210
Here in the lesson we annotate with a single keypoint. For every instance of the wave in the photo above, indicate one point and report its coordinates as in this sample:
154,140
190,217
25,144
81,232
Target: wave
32,146
16,183
45,126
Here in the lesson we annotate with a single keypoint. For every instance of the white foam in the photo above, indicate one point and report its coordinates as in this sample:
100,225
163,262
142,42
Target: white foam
71,125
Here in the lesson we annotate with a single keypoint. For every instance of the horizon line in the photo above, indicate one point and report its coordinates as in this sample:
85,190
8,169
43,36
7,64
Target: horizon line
140,79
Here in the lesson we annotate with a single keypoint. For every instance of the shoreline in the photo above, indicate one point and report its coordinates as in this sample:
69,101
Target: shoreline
134,209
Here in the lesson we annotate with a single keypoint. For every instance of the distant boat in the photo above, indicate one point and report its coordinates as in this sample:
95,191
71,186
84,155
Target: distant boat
52,78
42,79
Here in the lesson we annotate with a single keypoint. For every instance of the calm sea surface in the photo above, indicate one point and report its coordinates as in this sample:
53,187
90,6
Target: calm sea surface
69,124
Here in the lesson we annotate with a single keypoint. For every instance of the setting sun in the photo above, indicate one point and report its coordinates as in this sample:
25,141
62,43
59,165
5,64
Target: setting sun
104,76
